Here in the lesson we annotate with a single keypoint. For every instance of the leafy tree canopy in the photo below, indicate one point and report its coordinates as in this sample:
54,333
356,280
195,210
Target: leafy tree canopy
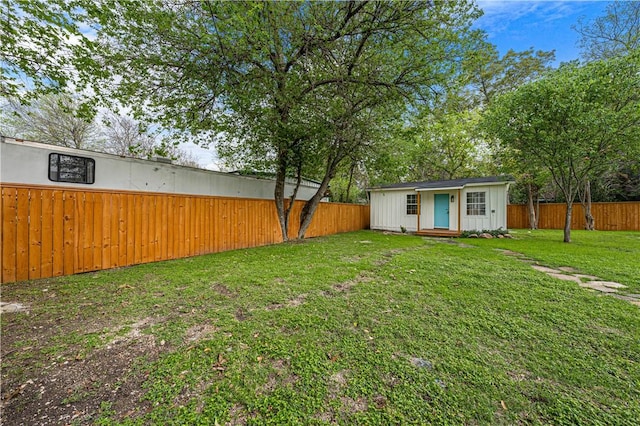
614,34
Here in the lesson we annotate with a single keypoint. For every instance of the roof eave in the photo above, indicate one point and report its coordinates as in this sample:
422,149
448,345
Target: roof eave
407,188
443,188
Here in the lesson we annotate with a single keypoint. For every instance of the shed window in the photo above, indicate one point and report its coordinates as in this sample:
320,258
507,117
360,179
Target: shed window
412,204
70,168
476,204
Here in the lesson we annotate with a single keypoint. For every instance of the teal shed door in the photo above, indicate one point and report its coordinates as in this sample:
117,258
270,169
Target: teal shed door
441,211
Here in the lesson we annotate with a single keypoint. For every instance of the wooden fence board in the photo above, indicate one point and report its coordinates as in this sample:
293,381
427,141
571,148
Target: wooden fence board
171,227
137,234
46,257
22,235
9,233
114,218
35,234
58,224
78,240
98,227
69,233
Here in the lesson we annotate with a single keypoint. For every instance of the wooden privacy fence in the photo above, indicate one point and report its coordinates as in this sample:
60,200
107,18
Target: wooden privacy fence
49,232
608,216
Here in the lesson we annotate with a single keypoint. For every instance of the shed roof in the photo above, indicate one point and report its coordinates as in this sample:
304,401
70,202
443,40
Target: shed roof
444,184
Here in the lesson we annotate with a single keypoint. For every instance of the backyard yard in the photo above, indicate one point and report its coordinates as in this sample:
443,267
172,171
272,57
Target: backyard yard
357,328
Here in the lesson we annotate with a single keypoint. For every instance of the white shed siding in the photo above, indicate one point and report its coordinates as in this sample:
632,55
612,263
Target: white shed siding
389,211
496,208
27,163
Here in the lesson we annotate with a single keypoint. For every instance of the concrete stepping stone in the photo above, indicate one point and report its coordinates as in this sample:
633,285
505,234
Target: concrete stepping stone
610,284
593,285
587,277
625,297
565,277
569,273
511,253
546,270
6,307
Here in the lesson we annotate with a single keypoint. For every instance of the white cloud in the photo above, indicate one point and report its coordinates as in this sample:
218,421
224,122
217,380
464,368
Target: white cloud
499,14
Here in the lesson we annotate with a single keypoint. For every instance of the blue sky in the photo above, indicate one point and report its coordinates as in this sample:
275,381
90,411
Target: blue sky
543,25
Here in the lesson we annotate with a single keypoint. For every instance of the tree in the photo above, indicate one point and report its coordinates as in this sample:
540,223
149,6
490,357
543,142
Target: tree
290,84
574,121
488,75
447,146
127,137
124,136
615,34
531,177
54,119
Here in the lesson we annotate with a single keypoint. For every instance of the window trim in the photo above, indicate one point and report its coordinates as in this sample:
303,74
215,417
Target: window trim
87,171
411,207
475,207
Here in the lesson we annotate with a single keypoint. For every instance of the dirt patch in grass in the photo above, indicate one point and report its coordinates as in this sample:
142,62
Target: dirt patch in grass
354,405
292,303
364,277
199,332
238,415
77,390
224,290
241,315
279,377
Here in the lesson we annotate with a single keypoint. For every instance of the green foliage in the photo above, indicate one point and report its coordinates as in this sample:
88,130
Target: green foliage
39,42
488,75
444,142
447,145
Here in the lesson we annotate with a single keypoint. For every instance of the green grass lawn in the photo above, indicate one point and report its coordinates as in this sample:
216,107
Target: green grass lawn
358,328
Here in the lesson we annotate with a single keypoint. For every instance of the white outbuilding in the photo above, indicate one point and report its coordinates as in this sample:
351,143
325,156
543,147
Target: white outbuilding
445,207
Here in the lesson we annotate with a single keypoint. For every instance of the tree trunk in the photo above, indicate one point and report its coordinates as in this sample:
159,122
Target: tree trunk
589,220
310,206
353,166
533,221
283,216
567,222
294,194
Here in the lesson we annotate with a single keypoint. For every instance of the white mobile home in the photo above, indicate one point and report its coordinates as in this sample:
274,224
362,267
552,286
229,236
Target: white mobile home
33,163
445,207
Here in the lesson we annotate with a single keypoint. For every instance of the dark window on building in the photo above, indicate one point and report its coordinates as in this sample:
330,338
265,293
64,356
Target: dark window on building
70,168
412,204
476,204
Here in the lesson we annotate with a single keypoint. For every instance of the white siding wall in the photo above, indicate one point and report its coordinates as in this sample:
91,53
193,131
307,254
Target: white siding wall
389,211
496,208
27,163
428,205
